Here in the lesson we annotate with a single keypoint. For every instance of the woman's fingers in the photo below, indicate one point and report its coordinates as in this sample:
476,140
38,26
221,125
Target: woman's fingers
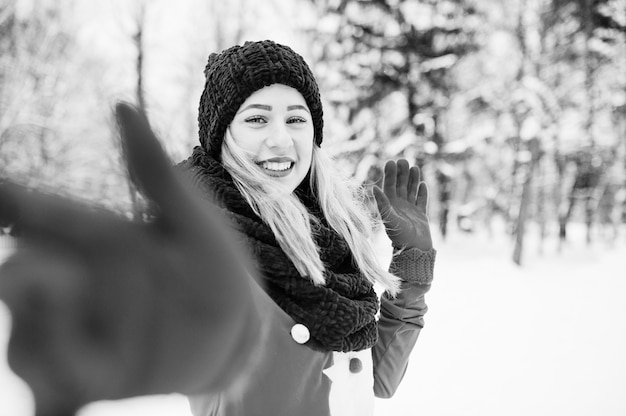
50,219
384,206
422,197
389,179
150,168
148,165
414,181
42,291
402,178
401,181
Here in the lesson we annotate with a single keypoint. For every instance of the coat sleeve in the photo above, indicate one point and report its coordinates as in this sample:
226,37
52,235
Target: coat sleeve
401,319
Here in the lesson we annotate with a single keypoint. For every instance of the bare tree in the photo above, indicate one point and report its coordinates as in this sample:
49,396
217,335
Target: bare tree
34,49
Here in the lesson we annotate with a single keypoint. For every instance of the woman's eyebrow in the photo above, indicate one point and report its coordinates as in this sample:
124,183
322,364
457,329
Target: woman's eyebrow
269,107
298,107
261,106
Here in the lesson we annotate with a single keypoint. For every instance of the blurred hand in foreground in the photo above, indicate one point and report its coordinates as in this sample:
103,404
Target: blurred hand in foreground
402,203
106,308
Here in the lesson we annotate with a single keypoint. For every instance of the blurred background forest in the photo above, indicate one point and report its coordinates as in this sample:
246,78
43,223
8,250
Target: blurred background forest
515,109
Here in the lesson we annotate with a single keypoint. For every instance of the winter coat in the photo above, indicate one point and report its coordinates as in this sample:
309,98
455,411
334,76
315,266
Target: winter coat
289,378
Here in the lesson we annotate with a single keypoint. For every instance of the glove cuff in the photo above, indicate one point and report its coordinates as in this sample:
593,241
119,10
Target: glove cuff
414,265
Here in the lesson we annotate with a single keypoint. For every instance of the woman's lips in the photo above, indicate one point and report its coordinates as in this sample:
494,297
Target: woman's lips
277,167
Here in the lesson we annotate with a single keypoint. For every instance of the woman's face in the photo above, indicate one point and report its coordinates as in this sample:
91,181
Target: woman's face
275,127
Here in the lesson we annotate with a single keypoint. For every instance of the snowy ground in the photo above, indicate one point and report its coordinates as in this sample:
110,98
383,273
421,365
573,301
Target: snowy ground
545,339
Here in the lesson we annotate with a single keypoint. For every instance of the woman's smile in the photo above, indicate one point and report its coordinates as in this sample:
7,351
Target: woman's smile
277,166
275,128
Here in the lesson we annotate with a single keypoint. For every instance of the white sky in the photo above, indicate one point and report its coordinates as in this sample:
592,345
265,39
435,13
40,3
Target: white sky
178,38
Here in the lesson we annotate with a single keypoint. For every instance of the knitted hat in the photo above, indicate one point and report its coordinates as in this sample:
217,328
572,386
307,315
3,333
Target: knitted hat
233,75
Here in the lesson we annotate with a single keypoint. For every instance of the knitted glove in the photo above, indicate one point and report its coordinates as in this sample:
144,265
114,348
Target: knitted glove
402,204
104,308
414,266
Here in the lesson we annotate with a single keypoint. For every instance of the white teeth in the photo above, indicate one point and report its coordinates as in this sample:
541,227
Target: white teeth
275,166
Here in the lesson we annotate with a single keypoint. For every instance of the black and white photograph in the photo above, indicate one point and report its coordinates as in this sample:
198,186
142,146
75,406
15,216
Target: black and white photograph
312,208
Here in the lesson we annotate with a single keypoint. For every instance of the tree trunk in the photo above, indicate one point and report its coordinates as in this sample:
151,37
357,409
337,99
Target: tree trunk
138,39
520,228
541,205
565,216
519,115
135,198
589,70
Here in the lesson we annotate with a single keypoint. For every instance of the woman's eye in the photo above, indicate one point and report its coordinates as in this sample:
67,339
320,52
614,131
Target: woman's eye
295,119
256,119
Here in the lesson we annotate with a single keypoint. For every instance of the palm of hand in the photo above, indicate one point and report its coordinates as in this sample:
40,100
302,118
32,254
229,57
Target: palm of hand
402,204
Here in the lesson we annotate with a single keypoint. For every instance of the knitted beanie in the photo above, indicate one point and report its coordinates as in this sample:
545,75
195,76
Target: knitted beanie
233,75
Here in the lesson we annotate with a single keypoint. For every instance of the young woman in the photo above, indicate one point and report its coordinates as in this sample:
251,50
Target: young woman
309,235
105,308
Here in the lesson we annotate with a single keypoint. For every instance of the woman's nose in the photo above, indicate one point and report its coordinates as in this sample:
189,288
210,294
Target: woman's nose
279,137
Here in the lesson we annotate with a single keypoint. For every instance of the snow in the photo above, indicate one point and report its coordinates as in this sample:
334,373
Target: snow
544,339
547,338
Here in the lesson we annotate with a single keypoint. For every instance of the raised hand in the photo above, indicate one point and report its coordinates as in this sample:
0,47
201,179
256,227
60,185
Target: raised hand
402,204
105,308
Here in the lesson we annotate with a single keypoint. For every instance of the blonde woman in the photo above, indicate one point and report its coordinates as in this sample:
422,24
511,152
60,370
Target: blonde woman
260,161
278,317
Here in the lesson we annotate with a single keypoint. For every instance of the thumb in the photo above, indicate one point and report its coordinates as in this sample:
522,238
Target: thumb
148,165
384,206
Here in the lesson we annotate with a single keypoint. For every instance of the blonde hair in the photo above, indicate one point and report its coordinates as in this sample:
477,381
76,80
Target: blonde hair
293,225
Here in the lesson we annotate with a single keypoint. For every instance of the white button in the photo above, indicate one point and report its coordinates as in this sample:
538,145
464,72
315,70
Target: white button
300,333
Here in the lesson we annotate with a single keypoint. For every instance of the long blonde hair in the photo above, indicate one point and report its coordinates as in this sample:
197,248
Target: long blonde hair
292,224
